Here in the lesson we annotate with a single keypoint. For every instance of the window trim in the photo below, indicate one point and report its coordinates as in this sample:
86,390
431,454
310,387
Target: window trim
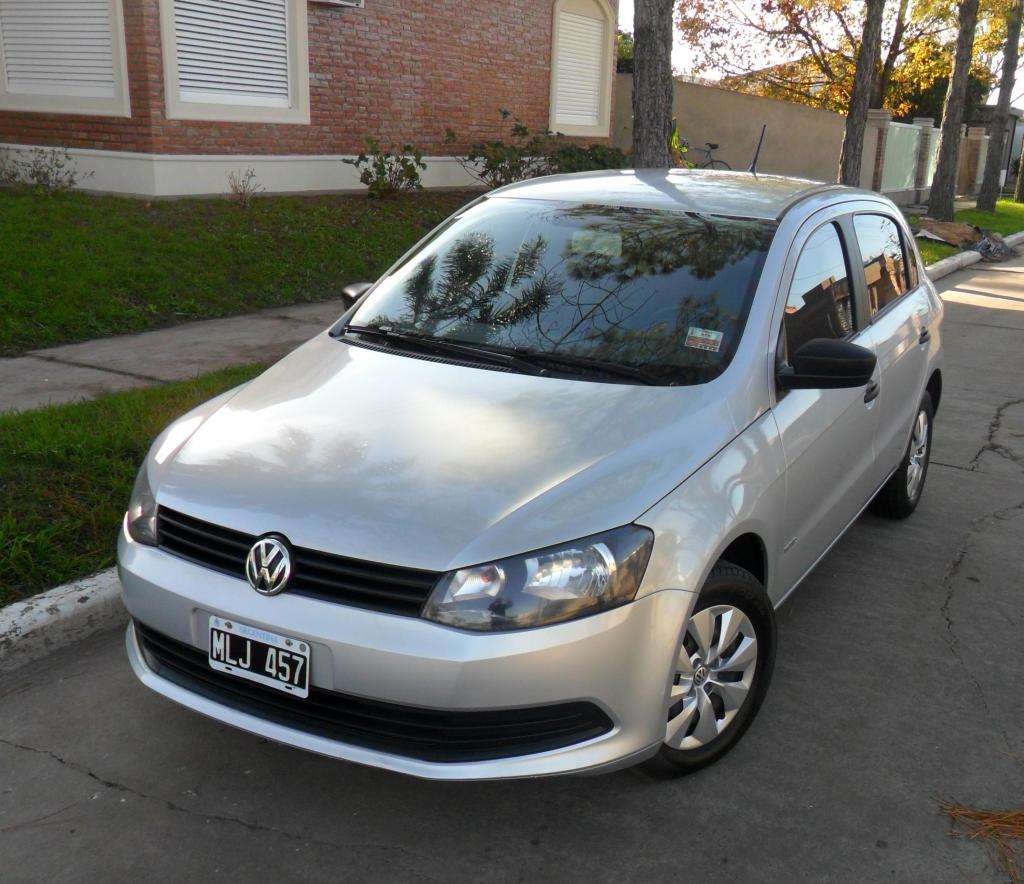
838,214
177,108
841,234
602,129
862,279
117,106
913,278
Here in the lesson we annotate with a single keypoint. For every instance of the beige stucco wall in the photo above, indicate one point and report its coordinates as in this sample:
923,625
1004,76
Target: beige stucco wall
800,140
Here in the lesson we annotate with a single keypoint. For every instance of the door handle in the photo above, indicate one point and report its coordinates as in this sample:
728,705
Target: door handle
871,392
925,337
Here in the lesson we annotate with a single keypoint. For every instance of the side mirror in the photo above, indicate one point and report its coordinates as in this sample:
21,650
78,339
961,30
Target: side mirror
828,364
353,292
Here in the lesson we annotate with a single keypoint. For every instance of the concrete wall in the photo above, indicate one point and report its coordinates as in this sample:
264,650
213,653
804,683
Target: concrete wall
801,141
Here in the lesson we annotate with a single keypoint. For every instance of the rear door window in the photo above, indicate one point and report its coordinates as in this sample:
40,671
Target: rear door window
885,261
820,303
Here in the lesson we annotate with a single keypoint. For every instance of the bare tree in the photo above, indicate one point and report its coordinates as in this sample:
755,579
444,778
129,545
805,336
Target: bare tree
652,83
864,87
997,128
940,204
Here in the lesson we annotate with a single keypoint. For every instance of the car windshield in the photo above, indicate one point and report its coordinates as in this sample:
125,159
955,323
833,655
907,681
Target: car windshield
666,292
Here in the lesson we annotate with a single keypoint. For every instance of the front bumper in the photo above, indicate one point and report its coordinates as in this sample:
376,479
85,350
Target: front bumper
618,660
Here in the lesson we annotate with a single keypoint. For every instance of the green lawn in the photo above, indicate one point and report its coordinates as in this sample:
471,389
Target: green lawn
932,251
1006,219
78,266
66,473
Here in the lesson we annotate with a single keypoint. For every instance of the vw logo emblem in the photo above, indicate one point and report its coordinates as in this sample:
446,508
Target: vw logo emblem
268,566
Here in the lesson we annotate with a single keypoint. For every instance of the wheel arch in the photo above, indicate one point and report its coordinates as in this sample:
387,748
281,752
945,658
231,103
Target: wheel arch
747,551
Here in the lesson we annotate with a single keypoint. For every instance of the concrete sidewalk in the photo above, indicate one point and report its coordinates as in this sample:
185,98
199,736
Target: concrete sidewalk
898,682
82,371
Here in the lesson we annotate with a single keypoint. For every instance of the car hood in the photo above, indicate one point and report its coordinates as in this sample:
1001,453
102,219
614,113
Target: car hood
427,464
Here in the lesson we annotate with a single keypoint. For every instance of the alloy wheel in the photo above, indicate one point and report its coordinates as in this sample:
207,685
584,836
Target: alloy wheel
714,674
918,455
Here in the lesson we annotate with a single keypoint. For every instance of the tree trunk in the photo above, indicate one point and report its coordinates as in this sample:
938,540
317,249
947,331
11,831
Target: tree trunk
884,78
1018,191
860,96
652,83
997,131
940,205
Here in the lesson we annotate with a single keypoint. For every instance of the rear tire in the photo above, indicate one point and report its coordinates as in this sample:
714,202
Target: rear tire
718,689
900,496
717,164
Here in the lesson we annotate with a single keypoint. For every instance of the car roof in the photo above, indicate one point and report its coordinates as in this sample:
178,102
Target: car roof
708,191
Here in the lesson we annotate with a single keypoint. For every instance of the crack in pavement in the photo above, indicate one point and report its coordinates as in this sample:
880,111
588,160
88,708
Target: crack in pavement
44,819
949,583
415,859
949,466
991,445
56,360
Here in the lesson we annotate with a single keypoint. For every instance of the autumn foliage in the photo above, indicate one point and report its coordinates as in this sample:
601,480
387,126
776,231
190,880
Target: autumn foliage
806,51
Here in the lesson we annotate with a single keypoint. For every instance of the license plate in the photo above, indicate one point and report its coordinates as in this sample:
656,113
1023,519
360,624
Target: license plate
264,657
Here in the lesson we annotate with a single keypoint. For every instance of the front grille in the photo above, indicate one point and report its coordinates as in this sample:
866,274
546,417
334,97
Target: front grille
426,734
316,574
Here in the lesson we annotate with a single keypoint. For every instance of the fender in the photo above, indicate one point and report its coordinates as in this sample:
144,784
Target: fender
740,490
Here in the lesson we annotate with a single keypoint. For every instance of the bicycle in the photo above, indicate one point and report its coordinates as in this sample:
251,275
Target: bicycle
709,161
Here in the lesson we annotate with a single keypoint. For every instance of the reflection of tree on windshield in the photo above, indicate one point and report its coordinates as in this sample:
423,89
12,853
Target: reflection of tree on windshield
471,284
656,243
608,283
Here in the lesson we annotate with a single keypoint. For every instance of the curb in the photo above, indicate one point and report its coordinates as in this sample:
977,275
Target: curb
37,626
965,259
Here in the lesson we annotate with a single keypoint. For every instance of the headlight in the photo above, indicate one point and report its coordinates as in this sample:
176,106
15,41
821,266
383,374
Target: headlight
560,583
142,510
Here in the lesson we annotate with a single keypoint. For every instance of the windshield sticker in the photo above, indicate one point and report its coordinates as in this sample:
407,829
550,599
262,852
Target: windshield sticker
704,339
596,242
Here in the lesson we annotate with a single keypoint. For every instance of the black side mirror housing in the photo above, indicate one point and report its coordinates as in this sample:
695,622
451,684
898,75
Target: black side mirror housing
828,364
353,292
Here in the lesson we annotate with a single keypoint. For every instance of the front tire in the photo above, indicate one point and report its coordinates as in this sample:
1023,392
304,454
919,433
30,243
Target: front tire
900,496
721,675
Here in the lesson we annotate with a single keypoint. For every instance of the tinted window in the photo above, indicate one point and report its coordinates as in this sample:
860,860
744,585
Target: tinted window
820,304
666,291
885,265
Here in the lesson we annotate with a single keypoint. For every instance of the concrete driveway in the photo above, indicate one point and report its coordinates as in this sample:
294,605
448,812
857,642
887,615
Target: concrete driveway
900,680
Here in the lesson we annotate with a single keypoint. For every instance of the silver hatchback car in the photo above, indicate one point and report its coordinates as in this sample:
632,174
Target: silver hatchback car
529,506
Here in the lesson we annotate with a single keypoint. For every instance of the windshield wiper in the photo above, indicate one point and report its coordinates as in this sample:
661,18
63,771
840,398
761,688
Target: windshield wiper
525,361
455,348
597,365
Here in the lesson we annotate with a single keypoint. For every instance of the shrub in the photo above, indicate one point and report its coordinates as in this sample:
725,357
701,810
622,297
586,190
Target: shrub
530,154
387,172
497,163
678,147
244,187
569,157
44,169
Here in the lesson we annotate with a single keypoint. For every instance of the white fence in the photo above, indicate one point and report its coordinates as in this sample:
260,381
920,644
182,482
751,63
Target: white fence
899,165
900,158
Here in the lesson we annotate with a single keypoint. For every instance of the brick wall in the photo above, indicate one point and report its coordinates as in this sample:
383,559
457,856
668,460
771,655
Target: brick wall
400,70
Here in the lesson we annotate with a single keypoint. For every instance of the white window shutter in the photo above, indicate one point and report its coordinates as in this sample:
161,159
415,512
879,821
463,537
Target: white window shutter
58,47
233,51
579,62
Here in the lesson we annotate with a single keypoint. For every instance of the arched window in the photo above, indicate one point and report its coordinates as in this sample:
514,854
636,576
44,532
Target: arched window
581,67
